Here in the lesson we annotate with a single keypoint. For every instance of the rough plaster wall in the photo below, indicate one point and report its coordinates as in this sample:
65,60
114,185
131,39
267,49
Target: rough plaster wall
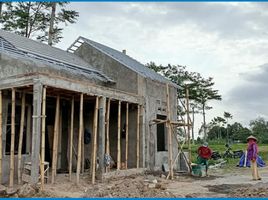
119,73
156,92
11,66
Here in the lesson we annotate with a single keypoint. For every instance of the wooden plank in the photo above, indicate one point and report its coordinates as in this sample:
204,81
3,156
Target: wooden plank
11,167
71,140
95,129
138,137
78,166
119,136
107,130
1,133
43,139
127,112
55,140
22,117
170,148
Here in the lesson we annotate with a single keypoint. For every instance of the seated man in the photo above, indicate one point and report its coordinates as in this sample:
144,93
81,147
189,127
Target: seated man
204,153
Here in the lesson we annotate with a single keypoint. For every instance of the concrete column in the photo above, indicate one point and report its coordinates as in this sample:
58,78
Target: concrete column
101,137
36,130
4,122
143,136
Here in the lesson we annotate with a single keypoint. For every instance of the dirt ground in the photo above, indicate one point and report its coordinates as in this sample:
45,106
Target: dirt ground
235,182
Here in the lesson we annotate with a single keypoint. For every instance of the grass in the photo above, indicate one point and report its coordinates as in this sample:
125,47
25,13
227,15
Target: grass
220,147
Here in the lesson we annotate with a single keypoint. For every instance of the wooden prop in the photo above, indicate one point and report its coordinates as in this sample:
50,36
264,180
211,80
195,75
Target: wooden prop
11,167
119,136
127,109
78,166
55,140
22,117
1,133
95,129
43,138
107,129
138,137
71,140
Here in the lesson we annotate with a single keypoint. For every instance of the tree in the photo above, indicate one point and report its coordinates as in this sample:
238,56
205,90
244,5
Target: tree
217,122
34,19
259,129
200,90
238,132
227,116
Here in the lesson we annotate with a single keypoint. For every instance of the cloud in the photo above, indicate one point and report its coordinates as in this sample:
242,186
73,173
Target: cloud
222,40
249,98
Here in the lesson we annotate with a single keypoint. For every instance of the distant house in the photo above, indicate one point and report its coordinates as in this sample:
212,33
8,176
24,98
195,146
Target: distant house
114,99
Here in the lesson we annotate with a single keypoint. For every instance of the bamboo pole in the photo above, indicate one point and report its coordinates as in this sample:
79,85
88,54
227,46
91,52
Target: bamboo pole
119,136
95,129
1,132
82,150
138,137
43,139
71,140
170,149
21,136
127,108
55,140
188,125
107,120
78,166
11,167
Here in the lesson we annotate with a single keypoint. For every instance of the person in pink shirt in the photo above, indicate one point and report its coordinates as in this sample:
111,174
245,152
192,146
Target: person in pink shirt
252,156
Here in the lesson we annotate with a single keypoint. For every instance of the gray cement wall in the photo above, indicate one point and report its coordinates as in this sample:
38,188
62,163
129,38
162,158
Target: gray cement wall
126,79
156,103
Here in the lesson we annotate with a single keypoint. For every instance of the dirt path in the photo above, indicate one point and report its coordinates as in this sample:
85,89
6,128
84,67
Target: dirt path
235,182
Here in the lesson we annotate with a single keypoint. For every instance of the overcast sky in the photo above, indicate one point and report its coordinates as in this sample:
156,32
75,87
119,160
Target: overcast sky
227,41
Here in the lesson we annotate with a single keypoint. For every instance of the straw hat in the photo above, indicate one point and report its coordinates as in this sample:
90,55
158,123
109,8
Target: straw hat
251,137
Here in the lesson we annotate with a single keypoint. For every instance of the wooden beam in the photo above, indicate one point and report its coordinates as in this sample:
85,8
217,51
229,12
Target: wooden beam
82,150
127,109
78,166
43,139
170,148
138,137
95,129
22,117
55,141
12,143
119,136
71,140
1,133
107,129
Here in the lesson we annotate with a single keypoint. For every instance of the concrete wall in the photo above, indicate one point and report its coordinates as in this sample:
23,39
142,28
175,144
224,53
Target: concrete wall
126,79
154,93
12,66
156,103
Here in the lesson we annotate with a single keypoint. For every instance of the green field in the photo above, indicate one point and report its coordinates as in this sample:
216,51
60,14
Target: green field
220,147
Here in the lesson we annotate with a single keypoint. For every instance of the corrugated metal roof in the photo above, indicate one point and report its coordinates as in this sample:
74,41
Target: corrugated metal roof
17,44
128,61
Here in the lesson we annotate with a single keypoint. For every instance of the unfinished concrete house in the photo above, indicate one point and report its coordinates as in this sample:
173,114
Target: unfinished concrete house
70,111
